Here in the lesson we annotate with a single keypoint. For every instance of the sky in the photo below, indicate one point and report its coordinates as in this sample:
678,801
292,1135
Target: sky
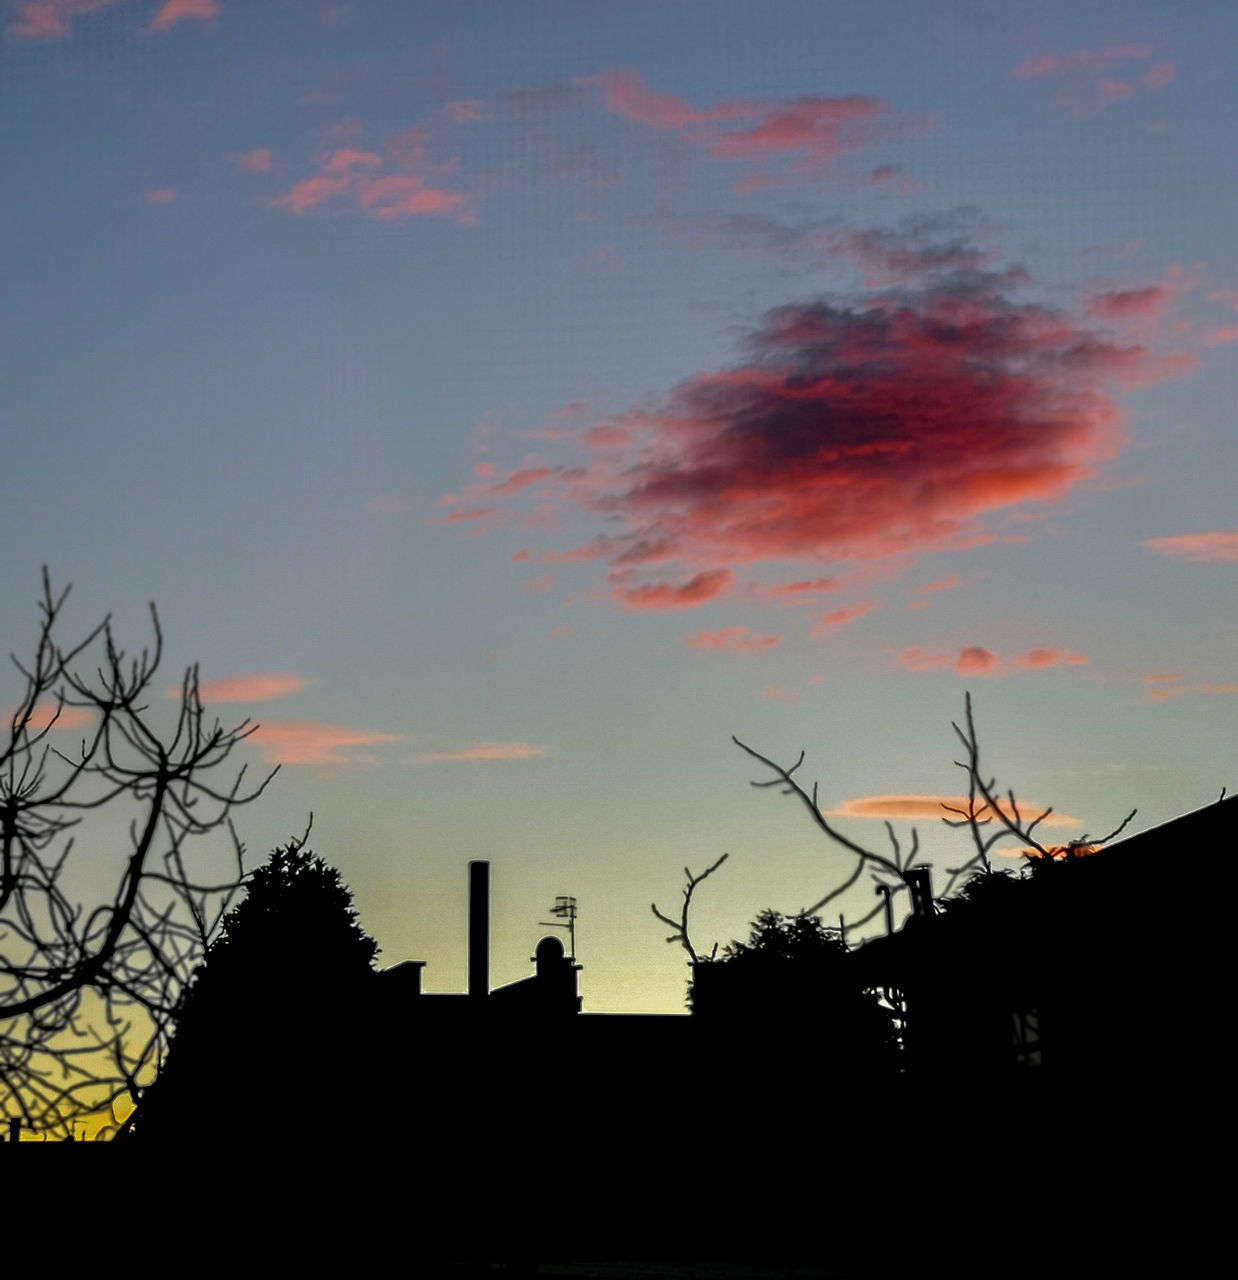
506,404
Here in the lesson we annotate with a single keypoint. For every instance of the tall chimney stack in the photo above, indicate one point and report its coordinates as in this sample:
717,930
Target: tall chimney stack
479,930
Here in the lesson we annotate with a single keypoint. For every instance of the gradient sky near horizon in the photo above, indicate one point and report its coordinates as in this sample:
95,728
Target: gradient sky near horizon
506,404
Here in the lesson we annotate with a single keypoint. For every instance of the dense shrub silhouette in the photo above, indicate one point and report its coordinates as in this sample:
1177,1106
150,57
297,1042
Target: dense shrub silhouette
275,1023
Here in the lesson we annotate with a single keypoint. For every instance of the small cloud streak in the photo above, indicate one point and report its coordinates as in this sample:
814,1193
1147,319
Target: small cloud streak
175,11
1037,658
841,617
259,160
1216,545
687,595
1086,85
401,183
732,640
256,687
777,693
51,19
44,716
312,742
485,751
975,661
159,195
904,807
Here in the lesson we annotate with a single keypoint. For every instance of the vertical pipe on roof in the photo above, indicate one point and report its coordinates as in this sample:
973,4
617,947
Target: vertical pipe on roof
479,930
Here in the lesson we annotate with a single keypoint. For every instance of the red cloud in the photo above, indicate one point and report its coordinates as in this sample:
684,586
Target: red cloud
311,742
1216,545
973,660
732,640
664,595
903,807
1119,304
396,185
175,11
856,432
259,687
486,751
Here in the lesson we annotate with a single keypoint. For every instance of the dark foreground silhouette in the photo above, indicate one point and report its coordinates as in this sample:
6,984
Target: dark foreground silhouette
1057,1107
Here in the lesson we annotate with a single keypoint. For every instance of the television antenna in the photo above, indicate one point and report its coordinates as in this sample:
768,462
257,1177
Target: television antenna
565,909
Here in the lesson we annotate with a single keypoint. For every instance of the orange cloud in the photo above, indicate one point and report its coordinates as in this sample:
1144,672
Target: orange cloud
905,807
312,742
258,687
776,693
732,640
939,584
175,11
396,185
159,195
916,659
1050,658
1220,544
44,716
486,751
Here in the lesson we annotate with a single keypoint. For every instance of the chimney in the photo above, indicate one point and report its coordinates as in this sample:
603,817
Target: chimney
920,882
479,930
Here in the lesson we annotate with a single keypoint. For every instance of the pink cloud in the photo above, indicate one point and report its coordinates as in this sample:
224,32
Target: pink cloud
841,617
175,11
1092,61
51,19
1120,304
311,742
1201,547
1221,334
258,687
810,131
159,195
259,160
1086,86
939,584
47,715
868,430
907,807
460,515
485,751
396,185
802,592
1036,658
698,589
732,640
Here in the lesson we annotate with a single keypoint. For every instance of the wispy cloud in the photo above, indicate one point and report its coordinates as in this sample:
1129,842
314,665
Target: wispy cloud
975,660
313,742
400,183
841,617
1087,82
259,160
262,686
1217,544
51,19
732,640
175,11
47,715
159,195
805,134
485,751
907,807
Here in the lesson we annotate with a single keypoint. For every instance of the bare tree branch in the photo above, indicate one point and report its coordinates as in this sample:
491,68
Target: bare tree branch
681,925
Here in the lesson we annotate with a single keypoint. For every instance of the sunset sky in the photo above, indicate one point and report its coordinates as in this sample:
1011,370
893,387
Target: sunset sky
505,404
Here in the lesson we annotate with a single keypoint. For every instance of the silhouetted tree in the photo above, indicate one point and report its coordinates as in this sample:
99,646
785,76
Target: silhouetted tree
88,984
275,1022
793,976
